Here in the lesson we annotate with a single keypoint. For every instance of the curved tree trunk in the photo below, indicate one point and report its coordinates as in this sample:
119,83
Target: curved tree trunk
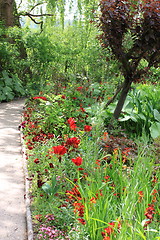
125,90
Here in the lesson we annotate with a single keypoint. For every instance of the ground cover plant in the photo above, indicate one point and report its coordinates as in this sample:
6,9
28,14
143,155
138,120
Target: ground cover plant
88,179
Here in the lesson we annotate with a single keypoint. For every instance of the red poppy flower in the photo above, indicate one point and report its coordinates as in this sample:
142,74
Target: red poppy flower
77,161
60,150
87,128
72,124
71,120
73,142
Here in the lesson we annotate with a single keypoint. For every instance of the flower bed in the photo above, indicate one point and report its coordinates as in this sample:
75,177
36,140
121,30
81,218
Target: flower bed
85,182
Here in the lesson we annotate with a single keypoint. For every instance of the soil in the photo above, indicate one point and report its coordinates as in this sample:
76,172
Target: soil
12,181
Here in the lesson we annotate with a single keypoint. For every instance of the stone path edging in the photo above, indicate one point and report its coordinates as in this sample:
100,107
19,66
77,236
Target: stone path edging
27,187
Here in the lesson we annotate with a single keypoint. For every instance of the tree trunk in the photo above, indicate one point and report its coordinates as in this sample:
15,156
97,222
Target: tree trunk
10,18
8,13
125,90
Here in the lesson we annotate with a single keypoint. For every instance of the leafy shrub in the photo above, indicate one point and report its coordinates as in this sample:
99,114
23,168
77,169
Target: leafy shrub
141,111
10,87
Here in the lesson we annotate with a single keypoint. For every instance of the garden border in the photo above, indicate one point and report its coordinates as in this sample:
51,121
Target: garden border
29,225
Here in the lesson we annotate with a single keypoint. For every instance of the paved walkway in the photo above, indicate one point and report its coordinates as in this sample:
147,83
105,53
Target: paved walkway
12,204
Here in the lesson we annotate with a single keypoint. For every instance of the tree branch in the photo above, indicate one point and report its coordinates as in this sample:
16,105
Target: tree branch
38,4
115,95
37,15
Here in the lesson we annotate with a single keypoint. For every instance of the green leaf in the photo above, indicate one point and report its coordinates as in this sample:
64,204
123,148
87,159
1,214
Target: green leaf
125,118
157,115
142,116
51,189
7,91
8,80
155,130
46,188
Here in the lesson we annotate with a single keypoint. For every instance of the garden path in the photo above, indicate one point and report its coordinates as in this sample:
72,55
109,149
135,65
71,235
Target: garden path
12,204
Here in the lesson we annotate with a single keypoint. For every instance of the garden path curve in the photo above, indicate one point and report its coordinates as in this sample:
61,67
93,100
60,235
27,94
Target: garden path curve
12,190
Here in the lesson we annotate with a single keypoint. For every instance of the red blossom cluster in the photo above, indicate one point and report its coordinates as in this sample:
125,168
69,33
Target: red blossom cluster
149,213
74,197
82,221
42,137
37,137
74,194
74,142
154,196
72,123
79,209
112,228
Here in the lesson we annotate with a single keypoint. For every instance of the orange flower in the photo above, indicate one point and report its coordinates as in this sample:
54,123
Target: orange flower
141,195
93,200
79,207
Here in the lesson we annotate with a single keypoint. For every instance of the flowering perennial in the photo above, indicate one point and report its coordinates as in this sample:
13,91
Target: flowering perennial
72,124
59,150
77,161
74,142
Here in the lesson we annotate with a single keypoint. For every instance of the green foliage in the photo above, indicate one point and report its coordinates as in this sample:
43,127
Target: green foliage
65,56
14,60
52,189
10,87
141,111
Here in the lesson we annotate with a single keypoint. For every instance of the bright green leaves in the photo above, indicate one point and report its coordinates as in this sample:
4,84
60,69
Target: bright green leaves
52,188
10,87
